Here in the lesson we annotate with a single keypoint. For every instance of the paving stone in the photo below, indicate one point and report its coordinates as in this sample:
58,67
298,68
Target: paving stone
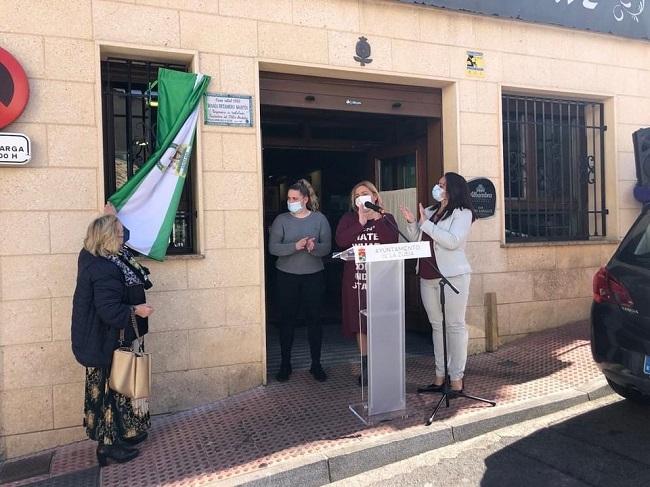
302,433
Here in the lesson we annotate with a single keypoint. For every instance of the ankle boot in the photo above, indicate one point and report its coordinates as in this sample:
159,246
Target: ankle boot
284,372
134,440
317,371
117,453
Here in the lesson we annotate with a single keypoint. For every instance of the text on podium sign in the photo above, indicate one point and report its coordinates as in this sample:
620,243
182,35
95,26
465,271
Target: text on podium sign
386,252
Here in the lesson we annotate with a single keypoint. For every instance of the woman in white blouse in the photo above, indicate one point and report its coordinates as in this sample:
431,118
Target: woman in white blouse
446,226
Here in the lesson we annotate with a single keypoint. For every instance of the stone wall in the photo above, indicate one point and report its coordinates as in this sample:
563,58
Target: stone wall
208,331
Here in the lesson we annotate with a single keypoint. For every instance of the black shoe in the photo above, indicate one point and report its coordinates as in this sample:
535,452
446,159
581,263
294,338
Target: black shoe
318,373
117,453
431,388
284,373
134,440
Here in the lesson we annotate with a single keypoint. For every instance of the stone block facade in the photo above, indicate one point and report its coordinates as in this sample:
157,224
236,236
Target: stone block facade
208,333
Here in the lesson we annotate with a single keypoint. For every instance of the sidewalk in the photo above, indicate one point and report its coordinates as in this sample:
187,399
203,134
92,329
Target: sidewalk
302,433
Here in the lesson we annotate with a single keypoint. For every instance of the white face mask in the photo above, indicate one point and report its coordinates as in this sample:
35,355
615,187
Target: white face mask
438,193
362,200
294,206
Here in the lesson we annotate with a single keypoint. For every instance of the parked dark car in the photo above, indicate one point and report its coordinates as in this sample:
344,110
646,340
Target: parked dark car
620,314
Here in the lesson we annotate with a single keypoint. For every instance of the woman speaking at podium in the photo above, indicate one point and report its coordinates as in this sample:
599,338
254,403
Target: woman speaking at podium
446,226
361,226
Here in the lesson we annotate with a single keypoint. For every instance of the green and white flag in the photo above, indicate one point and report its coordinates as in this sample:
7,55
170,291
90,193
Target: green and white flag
147,202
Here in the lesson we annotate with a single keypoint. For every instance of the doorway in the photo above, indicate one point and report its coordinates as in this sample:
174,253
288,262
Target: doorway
335,133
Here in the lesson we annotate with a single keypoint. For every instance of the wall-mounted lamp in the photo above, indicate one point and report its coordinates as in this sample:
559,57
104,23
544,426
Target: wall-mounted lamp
397,105
310,98
149,94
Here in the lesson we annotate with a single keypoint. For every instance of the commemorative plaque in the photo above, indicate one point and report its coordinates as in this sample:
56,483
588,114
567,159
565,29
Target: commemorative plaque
229,110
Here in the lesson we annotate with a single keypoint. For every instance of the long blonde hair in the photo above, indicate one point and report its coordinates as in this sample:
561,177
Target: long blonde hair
305,188
103,236
373,189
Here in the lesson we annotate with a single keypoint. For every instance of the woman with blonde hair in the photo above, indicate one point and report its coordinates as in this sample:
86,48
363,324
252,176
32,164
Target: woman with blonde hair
109,292
361,226
300,238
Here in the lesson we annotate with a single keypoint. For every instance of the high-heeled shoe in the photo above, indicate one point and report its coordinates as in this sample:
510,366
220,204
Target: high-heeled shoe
116,453
135,440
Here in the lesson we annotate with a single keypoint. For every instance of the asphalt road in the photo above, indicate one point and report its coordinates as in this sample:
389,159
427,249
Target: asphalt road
601,443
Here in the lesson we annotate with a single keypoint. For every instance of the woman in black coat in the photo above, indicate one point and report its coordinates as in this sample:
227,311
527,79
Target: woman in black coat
110,288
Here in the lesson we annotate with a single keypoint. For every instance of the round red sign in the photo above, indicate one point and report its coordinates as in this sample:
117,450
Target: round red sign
14,89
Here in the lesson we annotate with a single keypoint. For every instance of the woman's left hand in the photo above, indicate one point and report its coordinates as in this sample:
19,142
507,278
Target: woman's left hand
311,244
423,214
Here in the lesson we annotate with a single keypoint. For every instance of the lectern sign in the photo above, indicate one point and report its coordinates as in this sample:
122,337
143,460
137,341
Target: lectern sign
398,251
15,149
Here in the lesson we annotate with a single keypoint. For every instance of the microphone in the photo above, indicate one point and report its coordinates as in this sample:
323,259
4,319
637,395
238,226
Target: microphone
375,207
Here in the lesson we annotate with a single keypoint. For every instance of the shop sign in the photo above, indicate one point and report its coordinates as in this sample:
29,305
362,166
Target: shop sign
14,88
483,196
230,110
475,64
627,18
15,149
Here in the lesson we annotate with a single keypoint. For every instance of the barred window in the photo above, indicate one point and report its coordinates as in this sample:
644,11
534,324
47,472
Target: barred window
129,120
554,169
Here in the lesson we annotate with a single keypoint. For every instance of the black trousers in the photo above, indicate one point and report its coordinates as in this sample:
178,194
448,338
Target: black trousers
296,293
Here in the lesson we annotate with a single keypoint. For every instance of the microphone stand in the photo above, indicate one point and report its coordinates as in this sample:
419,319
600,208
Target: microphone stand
446,390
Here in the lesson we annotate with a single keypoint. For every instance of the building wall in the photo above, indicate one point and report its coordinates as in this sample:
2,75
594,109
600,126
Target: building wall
207,335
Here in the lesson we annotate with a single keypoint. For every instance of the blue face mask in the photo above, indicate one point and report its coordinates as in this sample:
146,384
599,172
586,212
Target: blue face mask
294,206
438,193
126,234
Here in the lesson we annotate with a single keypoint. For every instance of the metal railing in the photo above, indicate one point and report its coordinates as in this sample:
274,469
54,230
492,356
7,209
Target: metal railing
554,169
129,121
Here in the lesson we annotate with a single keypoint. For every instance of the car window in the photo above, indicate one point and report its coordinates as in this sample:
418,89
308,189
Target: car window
635,249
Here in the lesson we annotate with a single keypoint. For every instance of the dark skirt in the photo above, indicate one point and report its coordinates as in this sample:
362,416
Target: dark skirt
108,415
353,298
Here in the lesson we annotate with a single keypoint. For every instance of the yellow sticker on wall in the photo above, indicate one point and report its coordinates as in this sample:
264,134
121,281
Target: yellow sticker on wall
475,64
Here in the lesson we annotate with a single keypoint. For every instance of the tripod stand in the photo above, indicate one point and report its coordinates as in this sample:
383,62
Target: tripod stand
446,390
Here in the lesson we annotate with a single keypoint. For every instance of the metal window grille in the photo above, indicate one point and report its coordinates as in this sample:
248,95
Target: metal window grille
130,135
554,169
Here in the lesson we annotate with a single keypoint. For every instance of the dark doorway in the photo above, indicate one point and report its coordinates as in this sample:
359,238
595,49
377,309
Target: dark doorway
335,149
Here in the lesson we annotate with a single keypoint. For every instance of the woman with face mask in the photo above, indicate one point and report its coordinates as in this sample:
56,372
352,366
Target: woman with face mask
361,226
108,296
300,239
446,226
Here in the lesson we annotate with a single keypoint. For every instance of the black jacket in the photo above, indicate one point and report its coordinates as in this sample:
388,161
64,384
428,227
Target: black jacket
100,308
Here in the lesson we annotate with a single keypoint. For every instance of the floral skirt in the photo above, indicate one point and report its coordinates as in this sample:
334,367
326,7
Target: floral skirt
108,415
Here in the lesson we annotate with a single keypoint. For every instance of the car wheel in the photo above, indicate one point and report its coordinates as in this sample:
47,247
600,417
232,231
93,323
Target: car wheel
630,394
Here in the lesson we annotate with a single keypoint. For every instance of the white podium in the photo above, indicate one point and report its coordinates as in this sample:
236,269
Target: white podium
385,397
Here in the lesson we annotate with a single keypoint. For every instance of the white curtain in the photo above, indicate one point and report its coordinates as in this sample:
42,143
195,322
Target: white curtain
400,197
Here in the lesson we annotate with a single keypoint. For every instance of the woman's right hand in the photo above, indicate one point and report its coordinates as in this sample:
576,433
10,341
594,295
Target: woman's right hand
407,214
363,215
143,310
302,243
